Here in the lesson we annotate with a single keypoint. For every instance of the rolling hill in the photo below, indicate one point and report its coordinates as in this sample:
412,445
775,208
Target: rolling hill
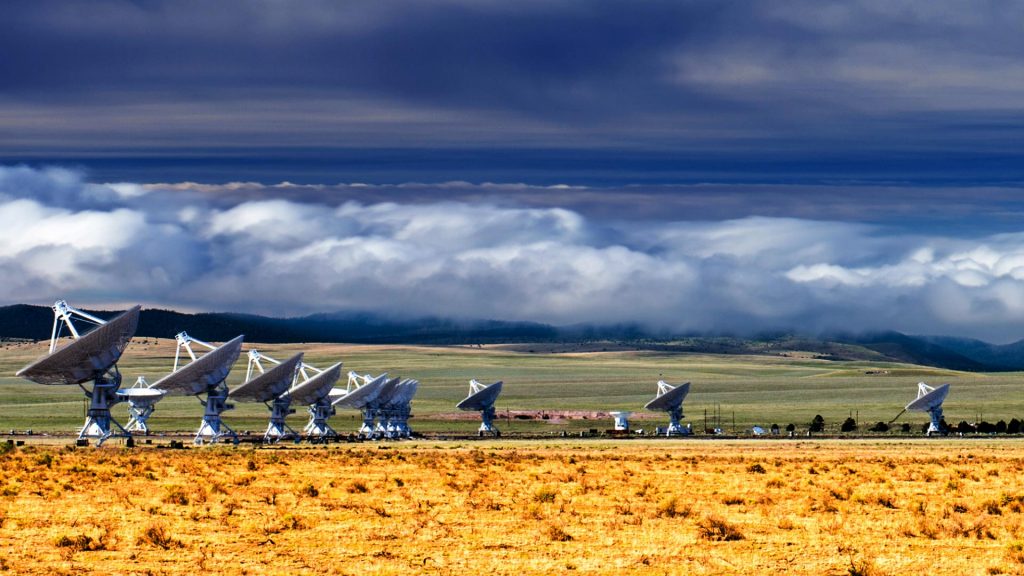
28,322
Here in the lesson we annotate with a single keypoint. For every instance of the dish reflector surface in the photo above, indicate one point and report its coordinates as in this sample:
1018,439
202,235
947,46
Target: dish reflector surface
270,384
387,390
203,372
482,399
88,357
931,400
363,395
142,397
404,392
317,387
669,400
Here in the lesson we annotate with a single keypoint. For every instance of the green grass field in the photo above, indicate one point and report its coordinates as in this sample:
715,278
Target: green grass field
758,390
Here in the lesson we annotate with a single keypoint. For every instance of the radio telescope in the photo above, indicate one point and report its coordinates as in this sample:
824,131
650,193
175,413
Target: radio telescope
482,398
373,410
205,374
396,410
142,399
670,399
621,420
930,400
360,393
315,392
91,357
271,387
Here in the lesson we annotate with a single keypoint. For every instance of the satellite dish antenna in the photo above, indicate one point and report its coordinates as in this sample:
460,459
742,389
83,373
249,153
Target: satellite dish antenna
670,399
373,413
482,398
621,420
91,357
142,401
397,410
205,374
930,400
271,387
315,392
361,393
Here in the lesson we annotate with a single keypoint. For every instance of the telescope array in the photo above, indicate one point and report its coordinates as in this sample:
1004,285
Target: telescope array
385,403
201,369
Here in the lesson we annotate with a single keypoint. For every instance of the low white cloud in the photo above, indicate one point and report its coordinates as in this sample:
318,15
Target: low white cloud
461,259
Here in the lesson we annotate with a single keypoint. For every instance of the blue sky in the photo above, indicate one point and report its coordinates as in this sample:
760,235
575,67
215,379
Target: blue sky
694,166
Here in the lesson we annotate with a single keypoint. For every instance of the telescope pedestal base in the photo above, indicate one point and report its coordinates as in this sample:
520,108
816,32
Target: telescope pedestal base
98,420
675,428
277,429
487,422
369,420
137,417
317,429
213,429
935,426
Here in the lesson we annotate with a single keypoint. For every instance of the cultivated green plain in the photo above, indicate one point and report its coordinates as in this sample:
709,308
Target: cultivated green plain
750,390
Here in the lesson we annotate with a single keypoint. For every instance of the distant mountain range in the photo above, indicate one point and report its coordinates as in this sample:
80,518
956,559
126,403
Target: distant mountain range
23,321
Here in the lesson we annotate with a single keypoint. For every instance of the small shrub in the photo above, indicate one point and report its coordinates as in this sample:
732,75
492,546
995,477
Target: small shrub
842,494
864,567
992,508
556,534
309,490
293,522
885,501
717,529
358,487
158,535
671,507
733,500
176,495
756,468
545,494
379,511
1015,552
84,542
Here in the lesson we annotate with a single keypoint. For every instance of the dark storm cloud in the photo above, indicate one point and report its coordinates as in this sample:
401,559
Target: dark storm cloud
207,248
722,90
958,210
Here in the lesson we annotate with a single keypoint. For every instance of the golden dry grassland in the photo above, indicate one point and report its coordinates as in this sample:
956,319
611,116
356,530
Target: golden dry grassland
650,507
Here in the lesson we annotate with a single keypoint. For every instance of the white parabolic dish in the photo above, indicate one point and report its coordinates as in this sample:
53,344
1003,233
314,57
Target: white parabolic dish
203,372
387,390
363,395
482,399
669,400
142,396
88,357
317,387
403,393
929,401
270,384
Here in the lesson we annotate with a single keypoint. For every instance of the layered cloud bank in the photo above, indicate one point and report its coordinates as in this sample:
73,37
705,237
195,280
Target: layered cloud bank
196,247
809,90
